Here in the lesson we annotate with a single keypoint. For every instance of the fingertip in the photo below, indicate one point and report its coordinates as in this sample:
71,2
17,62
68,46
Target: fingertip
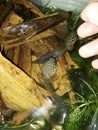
95,64
83,15
82,52
80,32
90,13
86,29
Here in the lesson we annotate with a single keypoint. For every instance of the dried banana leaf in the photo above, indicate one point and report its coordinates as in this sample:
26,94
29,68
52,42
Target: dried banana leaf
30,42
60,84
8,7
25,59
19,117
18,91
28,29
12,19
29,5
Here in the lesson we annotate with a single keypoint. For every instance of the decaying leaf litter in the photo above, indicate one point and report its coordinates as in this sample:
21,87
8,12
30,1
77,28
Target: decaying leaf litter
33,36
33,62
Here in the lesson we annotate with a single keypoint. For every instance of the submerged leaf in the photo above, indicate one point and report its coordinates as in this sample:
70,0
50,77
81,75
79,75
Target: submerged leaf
18,90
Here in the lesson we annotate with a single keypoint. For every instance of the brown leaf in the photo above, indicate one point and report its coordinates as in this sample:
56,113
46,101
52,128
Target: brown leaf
18,91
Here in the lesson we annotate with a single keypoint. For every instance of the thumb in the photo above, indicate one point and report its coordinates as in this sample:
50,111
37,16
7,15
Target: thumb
90,13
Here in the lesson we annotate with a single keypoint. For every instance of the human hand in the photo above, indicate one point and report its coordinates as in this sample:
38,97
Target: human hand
88,28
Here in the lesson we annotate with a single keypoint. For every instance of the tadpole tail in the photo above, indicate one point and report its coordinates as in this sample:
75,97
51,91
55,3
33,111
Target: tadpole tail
43,58
53,54
67,45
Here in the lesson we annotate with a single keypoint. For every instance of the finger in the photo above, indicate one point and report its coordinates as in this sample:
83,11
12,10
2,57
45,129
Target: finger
90,13
87,29
89,49
95,64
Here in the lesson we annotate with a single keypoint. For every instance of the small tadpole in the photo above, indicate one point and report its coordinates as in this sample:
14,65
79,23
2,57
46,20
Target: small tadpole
67,45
